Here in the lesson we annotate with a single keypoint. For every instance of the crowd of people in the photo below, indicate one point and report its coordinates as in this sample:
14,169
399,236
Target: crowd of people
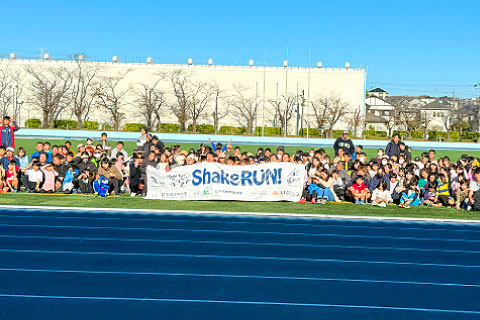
102,169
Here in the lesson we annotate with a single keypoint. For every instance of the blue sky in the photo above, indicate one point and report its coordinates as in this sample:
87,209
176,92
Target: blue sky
410,47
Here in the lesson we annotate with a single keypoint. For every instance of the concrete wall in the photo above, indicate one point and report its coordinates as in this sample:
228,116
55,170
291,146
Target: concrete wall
349,84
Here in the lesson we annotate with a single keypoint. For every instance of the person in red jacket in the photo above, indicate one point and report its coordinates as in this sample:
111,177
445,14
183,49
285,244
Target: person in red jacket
360,191
7,132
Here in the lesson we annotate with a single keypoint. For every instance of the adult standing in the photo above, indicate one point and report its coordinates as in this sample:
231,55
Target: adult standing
7,132
393,147
345,143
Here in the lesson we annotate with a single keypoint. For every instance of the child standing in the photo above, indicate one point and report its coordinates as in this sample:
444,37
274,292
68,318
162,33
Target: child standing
381,196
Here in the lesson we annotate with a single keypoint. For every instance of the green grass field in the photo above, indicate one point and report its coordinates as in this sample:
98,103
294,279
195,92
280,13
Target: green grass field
29,145
276,207
124,201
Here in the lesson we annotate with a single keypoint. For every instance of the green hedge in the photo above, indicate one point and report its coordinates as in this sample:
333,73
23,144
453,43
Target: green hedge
65,124
454,135
203,128
314,132
471,136
443,135
417,134
402,134
106,127
338,133
232,130
269,131
90,125
170,127
133,127
372,134
33,123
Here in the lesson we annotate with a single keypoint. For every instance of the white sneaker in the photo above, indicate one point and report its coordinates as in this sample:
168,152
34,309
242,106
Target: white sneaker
133,194
382,204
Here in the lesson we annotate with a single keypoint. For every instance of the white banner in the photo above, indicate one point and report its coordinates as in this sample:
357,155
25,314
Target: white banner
214,181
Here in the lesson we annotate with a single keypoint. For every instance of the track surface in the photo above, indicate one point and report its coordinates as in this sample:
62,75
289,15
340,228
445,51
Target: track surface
93,265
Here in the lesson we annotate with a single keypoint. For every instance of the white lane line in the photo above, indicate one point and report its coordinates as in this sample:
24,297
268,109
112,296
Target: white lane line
235,276
239,232
211,256
289,304
246,243
254,214
403,228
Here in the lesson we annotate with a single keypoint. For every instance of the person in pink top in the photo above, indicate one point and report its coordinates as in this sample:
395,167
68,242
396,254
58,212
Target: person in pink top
50,176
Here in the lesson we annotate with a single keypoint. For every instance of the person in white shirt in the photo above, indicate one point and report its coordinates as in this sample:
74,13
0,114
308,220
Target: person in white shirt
33,177
381,196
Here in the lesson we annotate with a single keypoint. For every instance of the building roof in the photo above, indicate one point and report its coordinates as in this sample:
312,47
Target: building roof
377,90
437,105
372,118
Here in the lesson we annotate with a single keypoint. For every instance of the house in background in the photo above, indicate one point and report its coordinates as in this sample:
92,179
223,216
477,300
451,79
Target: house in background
378,92
437,115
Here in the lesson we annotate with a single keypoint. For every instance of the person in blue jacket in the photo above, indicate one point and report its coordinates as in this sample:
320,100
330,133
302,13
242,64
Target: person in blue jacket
7,131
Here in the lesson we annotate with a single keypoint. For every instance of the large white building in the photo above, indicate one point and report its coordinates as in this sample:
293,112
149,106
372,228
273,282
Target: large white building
265,83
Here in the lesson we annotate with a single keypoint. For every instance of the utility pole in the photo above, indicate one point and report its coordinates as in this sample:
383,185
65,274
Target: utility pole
264,84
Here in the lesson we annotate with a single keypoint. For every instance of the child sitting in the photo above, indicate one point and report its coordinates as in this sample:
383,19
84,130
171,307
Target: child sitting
461,194
443,193
381,196
409,197
11,181
430,195
359,190
101,186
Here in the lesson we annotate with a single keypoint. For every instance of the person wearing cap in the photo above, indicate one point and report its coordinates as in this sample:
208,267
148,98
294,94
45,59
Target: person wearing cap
10,157
345,143
7,131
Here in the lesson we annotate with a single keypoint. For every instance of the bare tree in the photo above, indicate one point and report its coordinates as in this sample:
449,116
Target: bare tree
180,85
424,120
199,97
244,106
151,101
410,119
285,109
330,110
356,120
390,122
50,91
83,89
11,88
320,109
220,99
111,97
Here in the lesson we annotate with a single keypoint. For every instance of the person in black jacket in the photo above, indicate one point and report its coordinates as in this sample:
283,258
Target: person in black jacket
393,147
135,178
345,143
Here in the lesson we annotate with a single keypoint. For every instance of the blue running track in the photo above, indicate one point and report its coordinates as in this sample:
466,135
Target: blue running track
111,265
